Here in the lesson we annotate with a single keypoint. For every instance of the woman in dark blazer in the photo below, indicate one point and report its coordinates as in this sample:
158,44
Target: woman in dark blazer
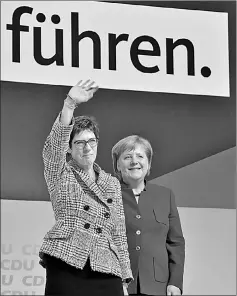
155,240
85,252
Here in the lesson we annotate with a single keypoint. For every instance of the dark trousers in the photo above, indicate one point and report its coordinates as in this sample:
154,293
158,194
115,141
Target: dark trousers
64,279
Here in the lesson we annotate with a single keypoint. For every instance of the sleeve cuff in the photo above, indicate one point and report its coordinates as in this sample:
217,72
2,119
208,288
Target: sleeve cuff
127,276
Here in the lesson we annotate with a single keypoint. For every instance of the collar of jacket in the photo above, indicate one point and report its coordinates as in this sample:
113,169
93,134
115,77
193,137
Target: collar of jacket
99,187
125,186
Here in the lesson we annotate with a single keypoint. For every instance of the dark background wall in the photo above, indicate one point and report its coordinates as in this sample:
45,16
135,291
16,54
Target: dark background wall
181,128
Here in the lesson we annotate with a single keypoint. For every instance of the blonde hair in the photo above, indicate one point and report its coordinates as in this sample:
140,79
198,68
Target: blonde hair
127,144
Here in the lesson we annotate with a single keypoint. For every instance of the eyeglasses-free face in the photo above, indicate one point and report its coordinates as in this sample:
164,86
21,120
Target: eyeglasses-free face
133,164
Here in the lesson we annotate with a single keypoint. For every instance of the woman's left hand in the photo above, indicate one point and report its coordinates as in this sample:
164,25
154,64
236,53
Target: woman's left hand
172,290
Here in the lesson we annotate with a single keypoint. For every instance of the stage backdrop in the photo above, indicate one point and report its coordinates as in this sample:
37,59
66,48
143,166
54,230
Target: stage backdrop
166,71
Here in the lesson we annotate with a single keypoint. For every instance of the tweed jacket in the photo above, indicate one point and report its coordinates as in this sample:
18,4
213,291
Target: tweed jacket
90,221
155,239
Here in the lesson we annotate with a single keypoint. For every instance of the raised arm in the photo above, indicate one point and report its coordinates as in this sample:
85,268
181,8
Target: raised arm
80,93
57,142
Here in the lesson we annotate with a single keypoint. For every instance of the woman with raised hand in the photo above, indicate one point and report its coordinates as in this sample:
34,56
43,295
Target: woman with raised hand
85,252
155,240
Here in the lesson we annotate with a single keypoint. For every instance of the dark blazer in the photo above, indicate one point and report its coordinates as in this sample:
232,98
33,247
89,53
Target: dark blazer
155,240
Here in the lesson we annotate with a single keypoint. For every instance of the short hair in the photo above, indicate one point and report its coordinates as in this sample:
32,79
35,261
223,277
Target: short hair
129,144
82,123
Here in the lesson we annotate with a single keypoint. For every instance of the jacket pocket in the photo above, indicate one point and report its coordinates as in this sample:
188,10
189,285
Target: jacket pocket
161,271
59,231
162,220
113,248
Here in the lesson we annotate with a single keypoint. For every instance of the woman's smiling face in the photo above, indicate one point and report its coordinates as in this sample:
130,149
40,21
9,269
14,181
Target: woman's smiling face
133,164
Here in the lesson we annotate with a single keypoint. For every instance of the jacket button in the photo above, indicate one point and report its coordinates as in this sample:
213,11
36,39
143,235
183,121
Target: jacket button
109,200
138,232
86,208
98,230
138,248
138,216
106,215
87,226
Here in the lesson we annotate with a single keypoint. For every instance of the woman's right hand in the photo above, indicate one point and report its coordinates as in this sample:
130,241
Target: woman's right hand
125,290
83,91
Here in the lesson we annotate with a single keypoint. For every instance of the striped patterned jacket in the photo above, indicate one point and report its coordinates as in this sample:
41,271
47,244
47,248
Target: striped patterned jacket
89,215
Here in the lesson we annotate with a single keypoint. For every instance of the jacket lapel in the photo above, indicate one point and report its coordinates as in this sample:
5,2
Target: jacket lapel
98,188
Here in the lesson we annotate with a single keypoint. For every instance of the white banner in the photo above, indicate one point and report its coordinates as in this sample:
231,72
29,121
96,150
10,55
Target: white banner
119,46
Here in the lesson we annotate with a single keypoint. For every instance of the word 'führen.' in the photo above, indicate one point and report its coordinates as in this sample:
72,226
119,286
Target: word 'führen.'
113,41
